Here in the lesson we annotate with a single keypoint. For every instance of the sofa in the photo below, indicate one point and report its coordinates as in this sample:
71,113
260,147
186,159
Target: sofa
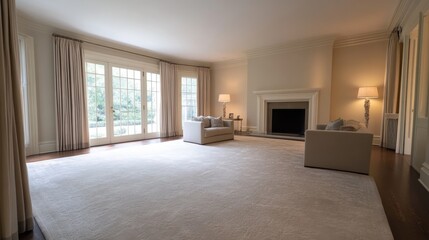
338,149
198,132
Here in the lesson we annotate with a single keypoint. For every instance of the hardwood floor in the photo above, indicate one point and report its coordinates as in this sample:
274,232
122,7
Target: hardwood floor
405,200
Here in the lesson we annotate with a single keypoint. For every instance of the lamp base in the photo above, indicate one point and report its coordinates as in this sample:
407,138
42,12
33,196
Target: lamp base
366,106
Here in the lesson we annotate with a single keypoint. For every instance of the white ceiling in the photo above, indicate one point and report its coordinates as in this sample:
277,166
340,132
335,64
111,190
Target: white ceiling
210,30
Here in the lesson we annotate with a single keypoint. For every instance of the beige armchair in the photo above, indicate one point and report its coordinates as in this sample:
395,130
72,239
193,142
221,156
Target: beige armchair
339,150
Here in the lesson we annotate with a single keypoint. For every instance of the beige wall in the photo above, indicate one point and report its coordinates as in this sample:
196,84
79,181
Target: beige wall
298,69
354,67
230,77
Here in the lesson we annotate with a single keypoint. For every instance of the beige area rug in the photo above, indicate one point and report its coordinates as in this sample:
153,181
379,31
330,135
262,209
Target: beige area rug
249,188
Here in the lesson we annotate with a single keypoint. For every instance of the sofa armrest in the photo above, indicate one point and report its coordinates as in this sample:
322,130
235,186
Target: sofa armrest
228,123
193,131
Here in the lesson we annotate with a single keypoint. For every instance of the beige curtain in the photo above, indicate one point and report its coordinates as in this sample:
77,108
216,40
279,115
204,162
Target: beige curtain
203,93
392,84
169,98
70,95
15,202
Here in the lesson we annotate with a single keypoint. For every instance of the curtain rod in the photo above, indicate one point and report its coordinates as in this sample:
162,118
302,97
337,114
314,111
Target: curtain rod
122,50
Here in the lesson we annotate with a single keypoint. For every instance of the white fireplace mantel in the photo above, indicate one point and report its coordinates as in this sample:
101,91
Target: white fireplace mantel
310,95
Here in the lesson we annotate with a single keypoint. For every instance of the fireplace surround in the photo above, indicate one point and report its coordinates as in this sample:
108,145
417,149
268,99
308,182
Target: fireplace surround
310,96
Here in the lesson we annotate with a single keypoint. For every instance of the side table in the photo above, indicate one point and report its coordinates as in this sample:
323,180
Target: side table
240,123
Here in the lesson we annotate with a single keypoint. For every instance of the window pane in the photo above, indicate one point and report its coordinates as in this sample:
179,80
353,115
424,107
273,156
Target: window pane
100,69
189,95
90,67
96,100
115,71
153,102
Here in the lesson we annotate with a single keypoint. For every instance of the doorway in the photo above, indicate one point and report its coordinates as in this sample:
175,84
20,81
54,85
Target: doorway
123,102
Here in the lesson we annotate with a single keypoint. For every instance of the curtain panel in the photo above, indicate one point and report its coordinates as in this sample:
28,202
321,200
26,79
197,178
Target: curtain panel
392,81
70,95
15,202
169,93
203,93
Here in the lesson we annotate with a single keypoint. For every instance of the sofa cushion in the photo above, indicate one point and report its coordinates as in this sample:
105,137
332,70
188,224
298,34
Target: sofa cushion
206,122
216,122
215,131
198,119
334,125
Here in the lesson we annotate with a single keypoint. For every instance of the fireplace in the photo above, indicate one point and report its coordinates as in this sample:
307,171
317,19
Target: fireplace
290,101
287,118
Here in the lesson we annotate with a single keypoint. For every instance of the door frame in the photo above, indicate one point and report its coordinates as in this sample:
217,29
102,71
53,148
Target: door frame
110,61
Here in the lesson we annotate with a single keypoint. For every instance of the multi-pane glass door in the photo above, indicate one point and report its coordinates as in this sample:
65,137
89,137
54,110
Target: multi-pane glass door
127,102
116,100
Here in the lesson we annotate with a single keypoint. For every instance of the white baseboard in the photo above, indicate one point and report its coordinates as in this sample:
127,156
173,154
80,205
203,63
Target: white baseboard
47,146
424,176
376,140
250,128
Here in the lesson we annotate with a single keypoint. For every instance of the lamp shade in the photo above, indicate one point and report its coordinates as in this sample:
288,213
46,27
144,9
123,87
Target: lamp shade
224,98
368,92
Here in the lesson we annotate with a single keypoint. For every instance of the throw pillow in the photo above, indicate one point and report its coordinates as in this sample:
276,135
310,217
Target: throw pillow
216,122
334,125
198,119
206,122
350,125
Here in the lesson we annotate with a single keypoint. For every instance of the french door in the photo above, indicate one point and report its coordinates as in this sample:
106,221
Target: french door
123,103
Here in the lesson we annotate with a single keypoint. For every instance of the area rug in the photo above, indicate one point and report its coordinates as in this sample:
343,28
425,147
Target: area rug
249,188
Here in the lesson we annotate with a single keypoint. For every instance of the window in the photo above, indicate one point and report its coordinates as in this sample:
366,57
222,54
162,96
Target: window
24,87
153,102
96,96
28,93
189,98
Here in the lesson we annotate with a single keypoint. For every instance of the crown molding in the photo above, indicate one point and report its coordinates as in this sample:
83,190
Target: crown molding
292,47
361,39
96,42
401,12
230,63
25,23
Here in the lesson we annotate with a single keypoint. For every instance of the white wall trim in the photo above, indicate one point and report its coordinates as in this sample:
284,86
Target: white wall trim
310,95
47,146
424,175
376,140
292,47
230,63
361,39
23,22
400,13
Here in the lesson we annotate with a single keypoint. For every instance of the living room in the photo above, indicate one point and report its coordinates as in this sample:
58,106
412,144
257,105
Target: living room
329,48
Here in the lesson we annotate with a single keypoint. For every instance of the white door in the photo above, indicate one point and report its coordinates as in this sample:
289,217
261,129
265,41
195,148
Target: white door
117,97
411,80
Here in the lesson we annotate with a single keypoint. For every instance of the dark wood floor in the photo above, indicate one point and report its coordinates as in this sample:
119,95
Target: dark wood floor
405,200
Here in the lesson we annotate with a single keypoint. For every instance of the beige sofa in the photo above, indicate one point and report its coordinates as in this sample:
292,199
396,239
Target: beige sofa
194,131
339,150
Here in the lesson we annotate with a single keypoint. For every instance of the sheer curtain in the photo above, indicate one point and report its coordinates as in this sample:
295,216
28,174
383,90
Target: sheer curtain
15,202
70,95
203,93
169,99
